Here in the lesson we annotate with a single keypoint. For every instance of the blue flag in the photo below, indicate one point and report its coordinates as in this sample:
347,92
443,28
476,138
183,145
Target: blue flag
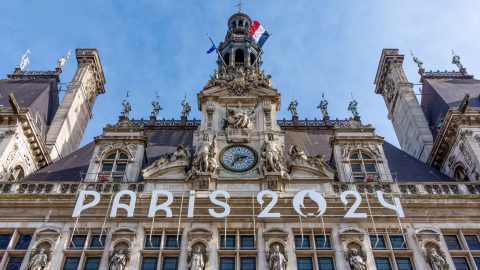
213,48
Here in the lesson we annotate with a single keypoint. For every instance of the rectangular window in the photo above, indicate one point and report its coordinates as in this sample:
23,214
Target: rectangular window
107,167
247,242
227,242
171,242
5,240
461,263
23,241
92,263
14,263
472,242
71,263
378,242
323,242
121,167
149,263
404,263
369,168
302,242
170,263
304,263
477,261
248,263
78,241
383,263
96,242
153,242
452,242
227,263
326,263
356,168
398,242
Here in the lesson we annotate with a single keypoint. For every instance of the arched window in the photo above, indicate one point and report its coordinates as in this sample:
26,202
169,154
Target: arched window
363,167
460,174
239,57
18,173
226,58
114,166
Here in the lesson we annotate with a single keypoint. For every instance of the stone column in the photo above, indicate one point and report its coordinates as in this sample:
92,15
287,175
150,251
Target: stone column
418,259
212,263
262,259
62,241
290,251
183,263
340,259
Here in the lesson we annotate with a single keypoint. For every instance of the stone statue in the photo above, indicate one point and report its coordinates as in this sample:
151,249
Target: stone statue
186,109
156,108
239,118
206,153
126,107
277,260
456,60
61,62
272,158
197,261
437,261
297,154
417,61
356,261
24,61
38,261
293,107
118,261
181,153
352,107
323,106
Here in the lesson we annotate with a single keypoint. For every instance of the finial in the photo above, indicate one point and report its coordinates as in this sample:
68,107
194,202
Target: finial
323,106
239,5
61,62
293,106
352,107
456,60
156,106
417,61
186,109
126,108
24,61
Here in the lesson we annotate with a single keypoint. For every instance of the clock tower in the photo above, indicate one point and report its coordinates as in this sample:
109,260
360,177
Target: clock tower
238,138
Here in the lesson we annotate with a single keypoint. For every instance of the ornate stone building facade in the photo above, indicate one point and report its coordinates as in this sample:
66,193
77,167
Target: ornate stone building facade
240,189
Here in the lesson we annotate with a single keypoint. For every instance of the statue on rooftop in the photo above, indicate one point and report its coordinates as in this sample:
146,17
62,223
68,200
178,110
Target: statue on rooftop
127,108
24,61
156,106
186,109
456,60
417,61
293,107
352,107
323,106
61,62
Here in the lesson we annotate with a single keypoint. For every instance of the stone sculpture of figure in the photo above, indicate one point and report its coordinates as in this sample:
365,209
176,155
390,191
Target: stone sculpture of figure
272,158
293,107
181,153
186,109
352,107
323,106
356,261
417,61
277,260
38,261
456,60
61,62
24,61
437,261
118,261
197,261
206,152
126,107
156,108
239,118
297,154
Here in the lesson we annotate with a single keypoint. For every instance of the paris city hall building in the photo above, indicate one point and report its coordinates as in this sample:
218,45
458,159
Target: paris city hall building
239,189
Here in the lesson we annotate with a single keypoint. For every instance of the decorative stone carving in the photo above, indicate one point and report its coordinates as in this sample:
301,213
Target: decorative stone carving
466,155
205,160
239,81
348,148
272,158
197,258
38,261
437,261
351,123
238,117
267,111
352,107
119,259
323,106
110,146
173,163
277,259
292,107
356,261
186,109
300,165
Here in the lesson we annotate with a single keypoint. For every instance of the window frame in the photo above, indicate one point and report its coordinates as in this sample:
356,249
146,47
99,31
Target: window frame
360,158
114,175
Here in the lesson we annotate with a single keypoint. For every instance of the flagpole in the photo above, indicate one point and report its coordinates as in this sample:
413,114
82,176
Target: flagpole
221,58
260,54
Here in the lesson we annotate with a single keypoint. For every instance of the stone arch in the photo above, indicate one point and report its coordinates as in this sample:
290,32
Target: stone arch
48,229
351,229
124,229
426,230
121,242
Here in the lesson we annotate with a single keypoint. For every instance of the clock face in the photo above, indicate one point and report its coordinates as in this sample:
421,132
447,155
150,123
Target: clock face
238,158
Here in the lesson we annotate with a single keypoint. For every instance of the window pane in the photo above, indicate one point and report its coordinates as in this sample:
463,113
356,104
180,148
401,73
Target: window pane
23,241
248,263
121,167
153,242
229,243
326,263
92,263
383,263
107,167
304,263
5,240
398,242
227,263
111,156
370,168
452,242
323,242
78,241
247,242
461,263
170,263
149,263
123,156
365,156
404,263
96,242
359,179
477,261
356,167
71,263
354,156
302,242
472,241
378,243
14,263
171,242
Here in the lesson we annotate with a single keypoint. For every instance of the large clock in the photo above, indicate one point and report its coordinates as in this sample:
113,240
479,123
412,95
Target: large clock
238,158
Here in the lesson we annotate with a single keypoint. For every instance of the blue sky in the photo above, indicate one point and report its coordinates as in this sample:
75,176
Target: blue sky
316,46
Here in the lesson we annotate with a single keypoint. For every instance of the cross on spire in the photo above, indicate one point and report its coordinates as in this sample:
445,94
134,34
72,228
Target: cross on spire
239,5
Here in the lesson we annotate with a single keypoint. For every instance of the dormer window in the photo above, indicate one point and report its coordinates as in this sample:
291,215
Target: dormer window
113,167
363,167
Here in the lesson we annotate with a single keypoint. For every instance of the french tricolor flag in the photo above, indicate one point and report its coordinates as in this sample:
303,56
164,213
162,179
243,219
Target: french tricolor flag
258,33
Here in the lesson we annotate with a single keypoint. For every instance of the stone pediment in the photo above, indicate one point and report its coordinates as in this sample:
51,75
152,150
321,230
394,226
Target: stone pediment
250,94
304,170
